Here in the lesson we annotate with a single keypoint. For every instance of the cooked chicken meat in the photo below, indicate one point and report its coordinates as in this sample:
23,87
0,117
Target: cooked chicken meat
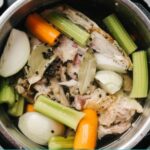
118,116
101,104
94,99
122,110
72,70
67,49
108,54
115,129
42,87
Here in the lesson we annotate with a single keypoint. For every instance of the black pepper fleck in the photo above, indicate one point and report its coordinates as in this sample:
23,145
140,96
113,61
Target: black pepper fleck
52,131
36,72
51,70
48,54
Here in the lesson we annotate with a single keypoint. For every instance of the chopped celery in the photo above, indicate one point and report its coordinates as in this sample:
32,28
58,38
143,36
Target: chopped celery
140,75
120,34
63,114
7,94
58,142
69,28
17,109
16,96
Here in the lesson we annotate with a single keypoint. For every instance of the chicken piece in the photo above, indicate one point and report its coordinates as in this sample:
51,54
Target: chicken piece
58,92
82,50
73,68
91,89
80,101
74,90
42,88
98,94
115,129
122,110
62,73
67,49
100,105
23,88
108,55
97,100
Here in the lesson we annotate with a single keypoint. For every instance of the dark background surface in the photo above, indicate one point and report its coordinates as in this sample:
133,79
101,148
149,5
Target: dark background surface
145,143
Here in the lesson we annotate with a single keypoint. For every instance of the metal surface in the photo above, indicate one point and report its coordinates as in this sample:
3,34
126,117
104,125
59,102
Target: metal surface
124,8
148,2
1,3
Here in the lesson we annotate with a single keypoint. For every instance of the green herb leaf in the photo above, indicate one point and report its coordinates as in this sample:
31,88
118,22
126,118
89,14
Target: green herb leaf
87,71
38,63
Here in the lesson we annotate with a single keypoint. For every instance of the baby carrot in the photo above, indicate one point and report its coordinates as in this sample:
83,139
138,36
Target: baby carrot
86,133
29,108
42,29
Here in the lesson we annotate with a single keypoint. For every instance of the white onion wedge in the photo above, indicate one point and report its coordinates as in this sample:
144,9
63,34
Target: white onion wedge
39,128
15,54
110,81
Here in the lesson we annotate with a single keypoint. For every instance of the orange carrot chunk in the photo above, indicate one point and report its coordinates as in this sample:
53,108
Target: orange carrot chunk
42,29
86,134
29,108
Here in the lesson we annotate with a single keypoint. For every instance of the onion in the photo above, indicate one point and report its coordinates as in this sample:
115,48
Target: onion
110,81
39,128
15,54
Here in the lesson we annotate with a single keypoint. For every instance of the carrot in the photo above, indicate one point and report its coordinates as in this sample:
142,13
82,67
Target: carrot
29,108
42,29
86,133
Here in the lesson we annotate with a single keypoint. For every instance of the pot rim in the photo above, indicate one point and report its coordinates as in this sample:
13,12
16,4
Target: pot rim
142,132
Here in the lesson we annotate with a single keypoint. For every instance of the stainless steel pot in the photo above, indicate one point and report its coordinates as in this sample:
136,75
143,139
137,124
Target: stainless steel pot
130,14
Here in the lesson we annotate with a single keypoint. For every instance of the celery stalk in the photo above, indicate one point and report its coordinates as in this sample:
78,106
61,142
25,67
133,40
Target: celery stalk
7,94
63,114
140,75
17,109
69,28
116,28
58,142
